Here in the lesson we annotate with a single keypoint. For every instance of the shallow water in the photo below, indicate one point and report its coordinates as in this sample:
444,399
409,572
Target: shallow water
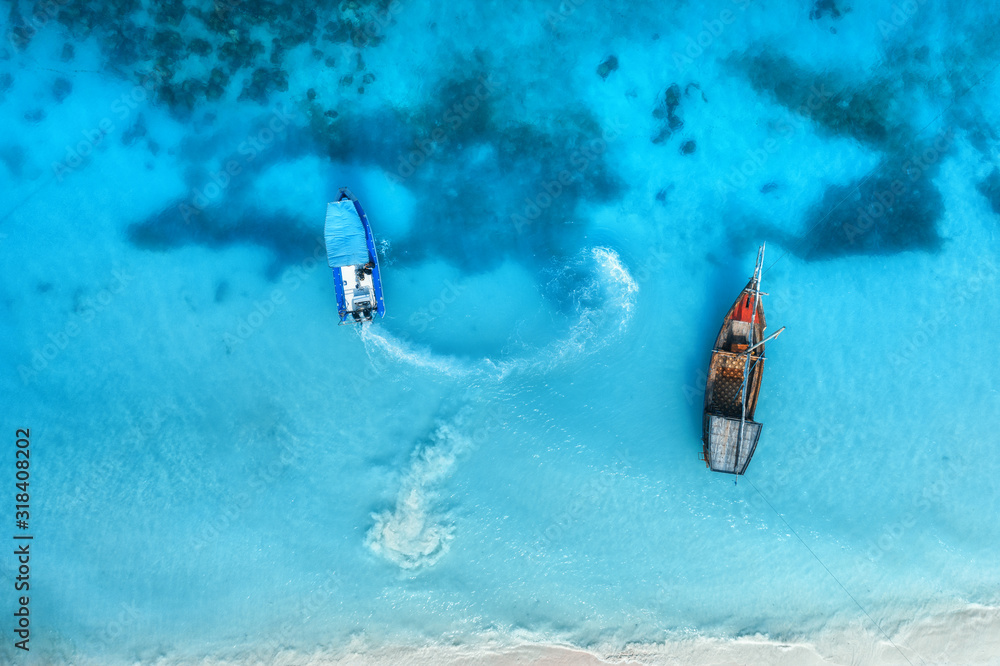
220,471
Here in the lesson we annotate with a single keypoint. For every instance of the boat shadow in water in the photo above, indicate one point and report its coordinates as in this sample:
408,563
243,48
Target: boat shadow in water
288,237
720,290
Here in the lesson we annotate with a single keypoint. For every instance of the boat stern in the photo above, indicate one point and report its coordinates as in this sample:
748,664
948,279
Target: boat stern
357,301
725,449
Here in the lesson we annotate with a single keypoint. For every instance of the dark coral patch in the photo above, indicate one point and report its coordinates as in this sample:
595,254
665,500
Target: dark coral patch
127,43
990,188
446,150
862,113
19,30
129,47
240,54
823,7
199,47
169,11
893,209
168,43
217,82
694,86
14,158
182,97
61,89
547,173
222,291
879,215
609,65
6,81
262,82
667,111
277,52
135,132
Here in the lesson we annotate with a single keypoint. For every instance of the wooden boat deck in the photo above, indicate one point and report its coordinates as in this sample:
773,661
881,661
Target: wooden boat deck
727,387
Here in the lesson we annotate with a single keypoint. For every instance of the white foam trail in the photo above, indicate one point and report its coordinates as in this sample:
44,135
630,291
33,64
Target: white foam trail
385,252
603,307
626,285
405,352
414,534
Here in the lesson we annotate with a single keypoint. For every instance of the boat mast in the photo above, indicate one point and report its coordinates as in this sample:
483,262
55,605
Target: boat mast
755,287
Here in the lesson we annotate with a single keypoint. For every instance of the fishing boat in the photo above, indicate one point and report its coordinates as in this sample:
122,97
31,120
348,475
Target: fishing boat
350,251
729,432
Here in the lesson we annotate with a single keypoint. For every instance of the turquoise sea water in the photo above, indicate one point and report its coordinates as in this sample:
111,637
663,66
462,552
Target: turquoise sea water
567,198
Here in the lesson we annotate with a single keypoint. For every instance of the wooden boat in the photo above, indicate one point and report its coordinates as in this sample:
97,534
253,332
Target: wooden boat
729,432
350,252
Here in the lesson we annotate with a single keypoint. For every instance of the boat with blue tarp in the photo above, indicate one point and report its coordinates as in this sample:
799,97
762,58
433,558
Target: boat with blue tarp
350,251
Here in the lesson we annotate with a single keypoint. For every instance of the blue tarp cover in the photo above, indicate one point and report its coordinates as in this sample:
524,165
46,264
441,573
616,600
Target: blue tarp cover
345,235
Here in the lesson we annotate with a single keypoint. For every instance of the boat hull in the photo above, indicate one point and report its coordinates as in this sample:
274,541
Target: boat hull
724,450
359,286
